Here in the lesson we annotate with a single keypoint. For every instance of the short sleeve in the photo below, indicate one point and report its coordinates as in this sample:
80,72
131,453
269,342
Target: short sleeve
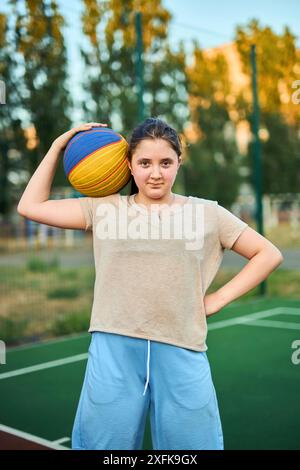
230,227
87,209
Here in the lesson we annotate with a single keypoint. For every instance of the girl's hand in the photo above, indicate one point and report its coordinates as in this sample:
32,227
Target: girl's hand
212,303
62,141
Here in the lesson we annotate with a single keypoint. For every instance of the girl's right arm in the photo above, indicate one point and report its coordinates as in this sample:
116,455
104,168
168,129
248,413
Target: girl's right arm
35,204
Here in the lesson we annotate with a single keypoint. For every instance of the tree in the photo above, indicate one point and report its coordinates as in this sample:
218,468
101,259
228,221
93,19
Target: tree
281,157
12,139
40,43
277,63
110,60
212,170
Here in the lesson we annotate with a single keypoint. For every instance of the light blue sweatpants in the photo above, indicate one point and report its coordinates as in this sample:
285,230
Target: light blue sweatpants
121,384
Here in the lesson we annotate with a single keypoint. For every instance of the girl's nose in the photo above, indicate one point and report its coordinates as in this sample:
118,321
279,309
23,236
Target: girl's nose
155,173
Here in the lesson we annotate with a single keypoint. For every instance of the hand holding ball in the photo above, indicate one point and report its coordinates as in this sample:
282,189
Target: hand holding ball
95,162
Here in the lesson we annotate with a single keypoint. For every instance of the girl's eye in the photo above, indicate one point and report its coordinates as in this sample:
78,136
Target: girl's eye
146,163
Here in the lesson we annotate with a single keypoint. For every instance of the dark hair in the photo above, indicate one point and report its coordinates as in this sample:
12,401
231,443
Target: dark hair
152,128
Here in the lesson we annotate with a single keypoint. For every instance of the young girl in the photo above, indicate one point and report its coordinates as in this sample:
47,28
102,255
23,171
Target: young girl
155,257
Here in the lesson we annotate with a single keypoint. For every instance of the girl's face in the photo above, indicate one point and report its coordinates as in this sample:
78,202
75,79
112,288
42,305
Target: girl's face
154,167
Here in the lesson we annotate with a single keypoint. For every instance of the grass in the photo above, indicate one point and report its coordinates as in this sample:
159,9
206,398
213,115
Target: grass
71,323
283,236
42,301
38,265
63,293
12,329
280,283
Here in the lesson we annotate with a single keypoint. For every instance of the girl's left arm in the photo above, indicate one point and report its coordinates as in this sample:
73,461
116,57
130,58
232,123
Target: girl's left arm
264,257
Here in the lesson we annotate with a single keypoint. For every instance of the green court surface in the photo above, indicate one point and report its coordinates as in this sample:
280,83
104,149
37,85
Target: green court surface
250,353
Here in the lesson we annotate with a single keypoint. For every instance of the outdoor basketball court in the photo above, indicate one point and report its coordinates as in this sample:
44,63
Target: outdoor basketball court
250,353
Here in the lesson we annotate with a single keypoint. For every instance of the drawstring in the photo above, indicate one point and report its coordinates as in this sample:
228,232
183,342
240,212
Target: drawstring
148,362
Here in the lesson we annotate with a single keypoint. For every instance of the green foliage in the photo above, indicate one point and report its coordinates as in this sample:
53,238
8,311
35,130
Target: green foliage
35,264
13,330
213,173
11,133
71,323
212,167
281,156
111,63
40,44
277,57
63,293
32,299
33,64
64,274
277,60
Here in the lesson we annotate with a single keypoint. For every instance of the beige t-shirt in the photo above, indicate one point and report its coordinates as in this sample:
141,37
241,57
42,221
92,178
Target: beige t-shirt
153,270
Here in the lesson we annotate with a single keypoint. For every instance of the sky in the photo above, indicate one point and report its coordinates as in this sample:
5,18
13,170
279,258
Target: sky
212,23
218,19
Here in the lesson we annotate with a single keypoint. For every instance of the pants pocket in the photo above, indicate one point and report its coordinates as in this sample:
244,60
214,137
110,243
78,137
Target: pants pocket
194,387
104,383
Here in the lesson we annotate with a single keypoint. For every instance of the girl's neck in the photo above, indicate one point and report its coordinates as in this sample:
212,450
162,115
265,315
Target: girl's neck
146,201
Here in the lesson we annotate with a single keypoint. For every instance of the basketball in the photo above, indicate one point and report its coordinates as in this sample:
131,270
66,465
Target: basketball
95,162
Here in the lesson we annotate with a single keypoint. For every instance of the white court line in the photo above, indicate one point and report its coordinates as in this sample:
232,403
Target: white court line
276,324
292,311
245,318
46,342
45,365
32,438
61,440
254,319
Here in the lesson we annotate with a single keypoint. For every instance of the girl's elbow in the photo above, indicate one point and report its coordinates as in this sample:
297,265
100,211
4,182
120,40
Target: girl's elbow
20,210
273,254
277,257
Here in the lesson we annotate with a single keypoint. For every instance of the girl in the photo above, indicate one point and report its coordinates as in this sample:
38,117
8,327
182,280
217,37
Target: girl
149,296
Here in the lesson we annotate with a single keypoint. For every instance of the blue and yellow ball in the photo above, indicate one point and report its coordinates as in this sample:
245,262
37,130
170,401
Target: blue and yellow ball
95,162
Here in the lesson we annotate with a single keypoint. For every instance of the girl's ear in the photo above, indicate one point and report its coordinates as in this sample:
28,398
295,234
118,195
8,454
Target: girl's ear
129,165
